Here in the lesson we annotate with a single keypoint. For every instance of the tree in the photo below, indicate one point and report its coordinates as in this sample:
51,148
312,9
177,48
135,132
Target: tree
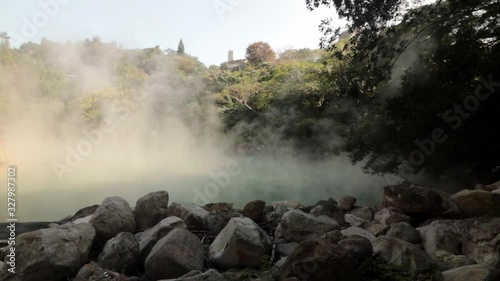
260,52
180,48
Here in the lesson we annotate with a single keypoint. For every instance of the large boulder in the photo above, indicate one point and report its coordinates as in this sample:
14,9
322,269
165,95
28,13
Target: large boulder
149,237
193,215
390,216
151,209
240,244
405,232
446,235
319,260
297,226
254,210
112,217
404,254
330,209
120,254
174,255
54,254
216,221
481,241
473,203
478,272
360,247
412,198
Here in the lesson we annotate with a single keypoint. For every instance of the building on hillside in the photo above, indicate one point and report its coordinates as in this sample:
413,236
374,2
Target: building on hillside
233,64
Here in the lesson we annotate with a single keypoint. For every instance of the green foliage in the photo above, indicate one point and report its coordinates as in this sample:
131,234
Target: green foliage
376,268
180,48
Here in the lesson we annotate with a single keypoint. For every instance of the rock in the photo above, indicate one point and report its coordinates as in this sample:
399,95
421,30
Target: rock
362,212
83,220
443,235
391,215
297,226
240,244
52,254
333,236
353,220
93,272
330,209
477,202
82,213
254,210
412,198
219,207
318,260
446,261
493,186
150,237
405,232
481,241
476,272
346,203
404,254
496,191
375,228
285,249
174,255
112,217
272,219
353,230
360,247
281,207
210,275
151,209
216,221
193,215
120,254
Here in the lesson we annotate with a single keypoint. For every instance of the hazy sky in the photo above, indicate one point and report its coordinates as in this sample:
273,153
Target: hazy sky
209,28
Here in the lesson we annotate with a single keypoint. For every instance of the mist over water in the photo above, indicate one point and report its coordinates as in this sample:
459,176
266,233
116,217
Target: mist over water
147,144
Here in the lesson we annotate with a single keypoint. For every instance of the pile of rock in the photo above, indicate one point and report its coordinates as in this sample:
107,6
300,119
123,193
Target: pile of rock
427,234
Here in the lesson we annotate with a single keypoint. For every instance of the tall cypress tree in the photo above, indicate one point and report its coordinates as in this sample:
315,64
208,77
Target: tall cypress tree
180,48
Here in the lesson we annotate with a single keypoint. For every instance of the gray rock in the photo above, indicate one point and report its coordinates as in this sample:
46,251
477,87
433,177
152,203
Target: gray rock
286,249
346,203
210,275
112,217
93,272
404,254
362,212
242,243
193,215
297,226
390,216
216,221
174,255
375,228
446,235
477,202
412,198
353,230
319,260
151,209
359,247
149,237
281,207
478,272
120,254
254,210
51,254
447,261
330,209
405,232
353,220
333,236
481,241
493,186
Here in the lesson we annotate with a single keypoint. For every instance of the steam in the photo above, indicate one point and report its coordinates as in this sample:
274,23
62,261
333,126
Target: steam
148,141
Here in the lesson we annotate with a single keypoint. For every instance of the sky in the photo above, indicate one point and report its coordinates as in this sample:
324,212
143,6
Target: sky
209,28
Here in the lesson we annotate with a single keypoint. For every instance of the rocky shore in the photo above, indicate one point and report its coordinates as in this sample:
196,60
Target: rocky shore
416,233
